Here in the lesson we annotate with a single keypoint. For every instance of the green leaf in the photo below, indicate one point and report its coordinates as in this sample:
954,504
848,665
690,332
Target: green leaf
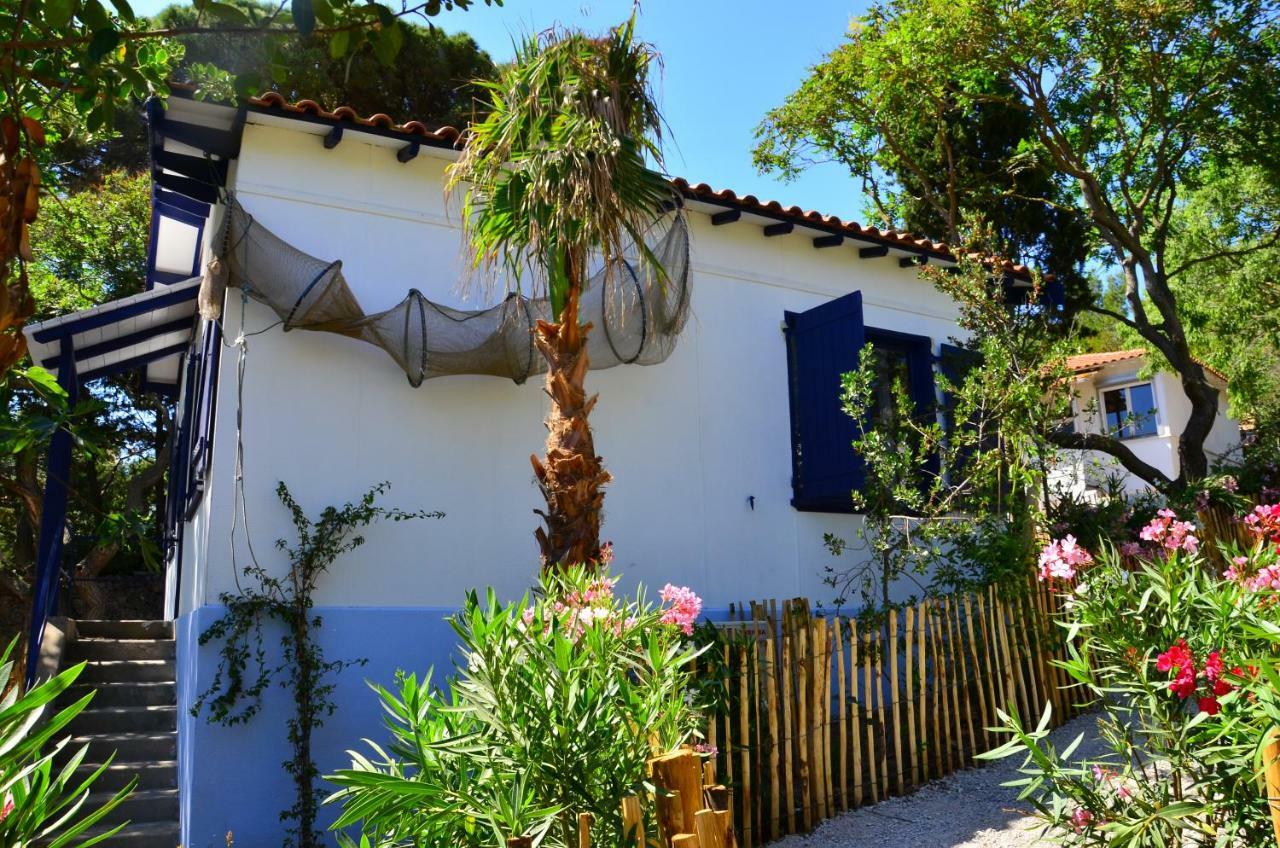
124,10
227,12
102,43
324,12
387,43
304,16
57,13
339,43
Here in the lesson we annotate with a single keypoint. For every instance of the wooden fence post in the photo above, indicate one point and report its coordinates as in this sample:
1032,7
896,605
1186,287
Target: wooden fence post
1271,768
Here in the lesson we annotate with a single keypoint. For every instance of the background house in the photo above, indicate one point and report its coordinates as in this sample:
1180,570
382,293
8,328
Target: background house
731,458
1113,393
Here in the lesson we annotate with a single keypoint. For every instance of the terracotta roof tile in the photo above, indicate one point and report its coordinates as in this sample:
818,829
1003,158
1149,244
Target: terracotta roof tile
1088,362
450,136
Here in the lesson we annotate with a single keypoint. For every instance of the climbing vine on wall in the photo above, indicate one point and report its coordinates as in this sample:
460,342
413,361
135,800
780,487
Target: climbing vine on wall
245,671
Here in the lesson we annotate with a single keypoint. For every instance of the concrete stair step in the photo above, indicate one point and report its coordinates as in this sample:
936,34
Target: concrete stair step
124,629
138,835
127,747
123,693
156,719
128,671
122,649
144,805
157,774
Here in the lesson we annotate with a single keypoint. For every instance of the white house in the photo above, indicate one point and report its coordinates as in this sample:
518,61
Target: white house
1114,393
730,457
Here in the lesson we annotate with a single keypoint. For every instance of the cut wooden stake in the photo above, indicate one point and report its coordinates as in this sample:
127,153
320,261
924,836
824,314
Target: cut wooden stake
709,830
770,672
744,734
855,719
891,658
842,763
788,774
584,830
959,704
1271,768
967,678
912,741
632,822
685,840
680,774
802,723
924,633
668,808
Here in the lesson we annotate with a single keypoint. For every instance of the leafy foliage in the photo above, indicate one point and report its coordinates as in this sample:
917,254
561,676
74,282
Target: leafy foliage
560,704
1180,660
431,77
94,250
578,119
1115,112
38,800
244,673
952,491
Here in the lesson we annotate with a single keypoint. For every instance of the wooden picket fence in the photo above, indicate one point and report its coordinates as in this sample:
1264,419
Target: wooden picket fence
691,809
825,713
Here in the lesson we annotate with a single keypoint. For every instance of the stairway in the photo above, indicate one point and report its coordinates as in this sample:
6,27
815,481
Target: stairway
134,714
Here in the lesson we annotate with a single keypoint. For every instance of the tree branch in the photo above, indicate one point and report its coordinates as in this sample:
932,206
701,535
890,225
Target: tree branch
1271,240
1115,448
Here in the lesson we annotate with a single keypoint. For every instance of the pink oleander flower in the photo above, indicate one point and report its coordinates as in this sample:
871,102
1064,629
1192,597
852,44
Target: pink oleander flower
1062,559
1081,818
7,808
1131,549
1168,532
1264,522
706,749
683,609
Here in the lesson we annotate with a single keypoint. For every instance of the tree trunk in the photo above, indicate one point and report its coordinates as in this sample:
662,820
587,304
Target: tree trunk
571,475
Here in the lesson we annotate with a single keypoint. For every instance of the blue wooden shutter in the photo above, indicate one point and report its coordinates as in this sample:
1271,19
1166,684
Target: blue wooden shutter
823,344
201,441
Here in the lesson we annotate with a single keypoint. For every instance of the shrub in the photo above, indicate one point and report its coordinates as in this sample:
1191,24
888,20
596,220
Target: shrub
1181,661
38,801
560,703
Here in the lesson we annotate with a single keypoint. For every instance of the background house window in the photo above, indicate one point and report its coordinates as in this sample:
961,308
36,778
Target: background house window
1130,411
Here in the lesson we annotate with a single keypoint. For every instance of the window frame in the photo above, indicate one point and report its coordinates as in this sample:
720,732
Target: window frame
1123,433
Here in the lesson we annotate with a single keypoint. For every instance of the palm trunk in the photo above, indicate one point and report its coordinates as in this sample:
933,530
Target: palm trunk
571,475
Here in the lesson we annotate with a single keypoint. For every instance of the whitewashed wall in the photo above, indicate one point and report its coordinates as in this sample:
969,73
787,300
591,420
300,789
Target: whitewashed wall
688,441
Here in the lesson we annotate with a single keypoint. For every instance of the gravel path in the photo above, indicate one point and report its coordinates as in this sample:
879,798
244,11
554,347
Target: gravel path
969,809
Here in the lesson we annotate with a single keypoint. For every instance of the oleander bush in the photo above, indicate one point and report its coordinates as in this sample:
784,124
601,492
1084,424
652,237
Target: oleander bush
562,699
1181,656
40,802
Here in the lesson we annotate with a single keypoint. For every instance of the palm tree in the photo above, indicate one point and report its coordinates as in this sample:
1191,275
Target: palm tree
555,176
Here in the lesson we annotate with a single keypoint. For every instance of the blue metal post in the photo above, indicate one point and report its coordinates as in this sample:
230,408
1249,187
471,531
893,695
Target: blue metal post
53,517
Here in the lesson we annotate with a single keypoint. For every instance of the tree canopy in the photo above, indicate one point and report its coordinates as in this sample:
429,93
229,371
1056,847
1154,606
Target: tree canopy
1117,113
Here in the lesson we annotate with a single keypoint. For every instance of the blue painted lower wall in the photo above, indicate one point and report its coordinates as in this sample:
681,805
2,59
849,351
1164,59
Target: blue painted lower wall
231,777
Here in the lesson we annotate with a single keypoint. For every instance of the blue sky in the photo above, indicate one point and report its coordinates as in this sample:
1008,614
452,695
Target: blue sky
727,62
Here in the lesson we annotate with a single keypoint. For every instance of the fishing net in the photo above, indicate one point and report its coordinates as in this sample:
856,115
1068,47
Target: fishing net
637,312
